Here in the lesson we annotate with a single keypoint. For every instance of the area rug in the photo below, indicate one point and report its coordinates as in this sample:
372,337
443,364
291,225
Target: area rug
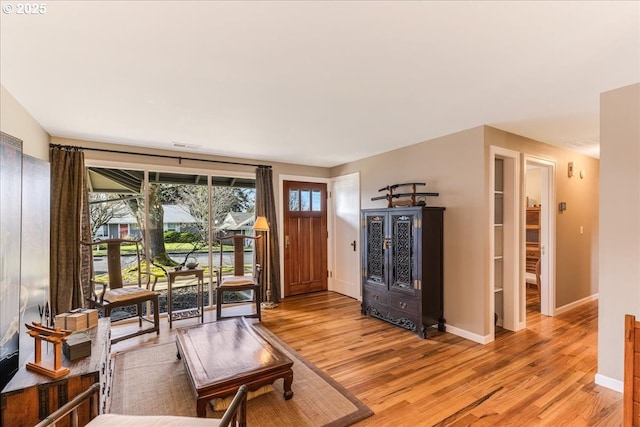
152,381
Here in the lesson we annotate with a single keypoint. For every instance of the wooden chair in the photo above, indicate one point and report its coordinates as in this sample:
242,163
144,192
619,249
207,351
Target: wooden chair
239,281
234,416
538,275
631,396
115,293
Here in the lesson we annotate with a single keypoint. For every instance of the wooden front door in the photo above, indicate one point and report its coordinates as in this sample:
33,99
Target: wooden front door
305,237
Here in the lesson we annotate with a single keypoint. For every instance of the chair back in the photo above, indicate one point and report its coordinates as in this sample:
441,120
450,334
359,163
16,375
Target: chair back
114,259
238,242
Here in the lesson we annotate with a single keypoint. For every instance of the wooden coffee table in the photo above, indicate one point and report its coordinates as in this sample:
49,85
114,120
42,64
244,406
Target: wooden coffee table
221,356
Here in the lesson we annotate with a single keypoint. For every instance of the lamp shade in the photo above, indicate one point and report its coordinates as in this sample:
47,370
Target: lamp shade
261,224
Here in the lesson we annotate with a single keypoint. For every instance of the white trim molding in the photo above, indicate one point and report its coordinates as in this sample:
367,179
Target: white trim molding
575,304
469,335
610,383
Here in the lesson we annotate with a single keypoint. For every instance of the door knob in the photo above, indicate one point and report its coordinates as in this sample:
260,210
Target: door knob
286,241
354,245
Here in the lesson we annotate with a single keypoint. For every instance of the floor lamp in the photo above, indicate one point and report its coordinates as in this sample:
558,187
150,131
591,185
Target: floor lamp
262,225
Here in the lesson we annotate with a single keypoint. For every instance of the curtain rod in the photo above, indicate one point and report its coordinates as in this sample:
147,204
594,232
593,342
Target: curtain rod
179,158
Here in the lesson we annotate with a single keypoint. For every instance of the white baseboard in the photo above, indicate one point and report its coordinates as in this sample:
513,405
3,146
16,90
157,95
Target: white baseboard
610,383
469,335
575,304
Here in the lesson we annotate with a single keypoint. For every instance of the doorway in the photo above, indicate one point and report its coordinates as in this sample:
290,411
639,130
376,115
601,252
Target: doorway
305,237
539,202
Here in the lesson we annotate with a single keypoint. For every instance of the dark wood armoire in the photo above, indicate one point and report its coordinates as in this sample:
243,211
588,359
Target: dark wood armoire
402,277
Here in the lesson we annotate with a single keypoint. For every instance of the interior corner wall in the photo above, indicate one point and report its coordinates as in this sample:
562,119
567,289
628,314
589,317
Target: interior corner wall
17,122
576,263
451,166
619,224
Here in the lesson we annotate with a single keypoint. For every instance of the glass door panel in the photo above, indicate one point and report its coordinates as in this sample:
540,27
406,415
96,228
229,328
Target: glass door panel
184,212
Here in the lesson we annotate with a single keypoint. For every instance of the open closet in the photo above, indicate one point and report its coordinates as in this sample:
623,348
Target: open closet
504,272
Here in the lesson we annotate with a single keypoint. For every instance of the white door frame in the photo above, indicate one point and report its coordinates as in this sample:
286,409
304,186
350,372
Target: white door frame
547,235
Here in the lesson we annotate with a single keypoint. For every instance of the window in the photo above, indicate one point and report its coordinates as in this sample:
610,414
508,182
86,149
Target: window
305,200
184,211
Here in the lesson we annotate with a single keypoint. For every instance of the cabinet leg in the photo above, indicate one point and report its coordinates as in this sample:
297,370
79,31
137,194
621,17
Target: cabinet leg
422,331
441,325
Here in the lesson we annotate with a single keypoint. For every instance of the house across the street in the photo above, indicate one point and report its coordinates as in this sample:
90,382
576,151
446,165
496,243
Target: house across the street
176,218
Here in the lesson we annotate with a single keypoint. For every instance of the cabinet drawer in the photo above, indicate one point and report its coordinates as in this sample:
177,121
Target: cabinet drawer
406,304
376,296
533,216
28,406
532,252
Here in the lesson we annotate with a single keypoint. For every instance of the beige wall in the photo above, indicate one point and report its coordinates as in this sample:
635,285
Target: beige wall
451,166
576,254
619,225
17,122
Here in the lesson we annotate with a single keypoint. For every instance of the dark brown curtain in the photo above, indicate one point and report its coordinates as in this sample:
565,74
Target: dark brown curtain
68,190
266,207
86,256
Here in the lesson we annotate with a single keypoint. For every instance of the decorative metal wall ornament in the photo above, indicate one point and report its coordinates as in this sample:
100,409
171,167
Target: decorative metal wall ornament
413,198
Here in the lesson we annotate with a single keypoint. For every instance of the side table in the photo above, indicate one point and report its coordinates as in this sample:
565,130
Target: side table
190,312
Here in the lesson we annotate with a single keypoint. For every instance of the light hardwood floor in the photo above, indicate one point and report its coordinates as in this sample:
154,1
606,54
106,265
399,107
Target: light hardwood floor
541,376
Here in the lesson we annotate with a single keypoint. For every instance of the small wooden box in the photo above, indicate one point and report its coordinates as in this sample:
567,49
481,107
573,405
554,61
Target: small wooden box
77,346
77,320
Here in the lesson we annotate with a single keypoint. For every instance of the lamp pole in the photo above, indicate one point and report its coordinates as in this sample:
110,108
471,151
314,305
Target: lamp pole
262,225
269,302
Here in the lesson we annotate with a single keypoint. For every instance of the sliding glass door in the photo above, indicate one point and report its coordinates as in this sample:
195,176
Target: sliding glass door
177,216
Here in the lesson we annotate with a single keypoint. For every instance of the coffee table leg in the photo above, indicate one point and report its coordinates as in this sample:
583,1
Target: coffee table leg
201,408
288,380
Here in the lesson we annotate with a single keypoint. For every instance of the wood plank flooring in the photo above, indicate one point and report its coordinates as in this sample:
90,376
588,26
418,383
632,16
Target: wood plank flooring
541,376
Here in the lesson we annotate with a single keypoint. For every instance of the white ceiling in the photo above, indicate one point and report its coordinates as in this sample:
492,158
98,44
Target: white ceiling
317,82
